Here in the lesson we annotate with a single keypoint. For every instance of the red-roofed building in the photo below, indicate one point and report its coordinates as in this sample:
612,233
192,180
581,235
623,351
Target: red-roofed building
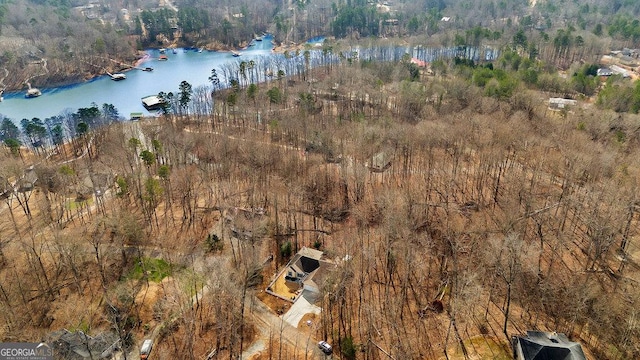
419,62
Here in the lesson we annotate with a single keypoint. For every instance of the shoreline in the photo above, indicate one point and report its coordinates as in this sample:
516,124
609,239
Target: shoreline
78,79
144,56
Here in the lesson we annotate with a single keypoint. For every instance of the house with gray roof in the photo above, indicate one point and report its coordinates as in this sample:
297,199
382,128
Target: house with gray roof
80,346
620,71
28,180
604,72
557,104
541,345
304,274
303,268
380,162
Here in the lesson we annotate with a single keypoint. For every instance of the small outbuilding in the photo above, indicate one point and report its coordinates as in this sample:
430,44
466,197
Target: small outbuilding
558,104
379,162
419,63
28,181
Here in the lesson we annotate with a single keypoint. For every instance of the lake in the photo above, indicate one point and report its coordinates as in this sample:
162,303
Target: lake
195,68
192,66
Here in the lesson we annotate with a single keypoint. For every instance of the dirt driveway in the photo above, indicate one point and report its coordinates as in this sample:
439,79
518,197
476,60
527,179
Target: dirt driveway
272,326
303,305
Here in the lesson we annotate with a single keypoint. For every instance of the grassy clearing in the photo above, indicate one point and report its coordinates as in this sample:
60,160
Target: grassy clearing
154,269
481,347
72,204
82,326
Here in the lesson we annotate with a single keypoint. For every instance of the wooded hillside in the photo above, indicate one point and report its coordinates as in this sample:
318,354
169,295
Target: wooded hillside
456,220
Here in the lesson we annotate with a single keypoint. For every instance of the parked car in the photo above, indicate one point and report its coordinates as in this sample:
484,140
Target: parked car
145,350
325,347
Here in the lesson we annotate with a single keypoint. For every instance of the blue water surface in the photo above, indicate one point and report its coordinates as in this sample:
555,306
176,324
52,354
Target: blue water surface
195,67
192,66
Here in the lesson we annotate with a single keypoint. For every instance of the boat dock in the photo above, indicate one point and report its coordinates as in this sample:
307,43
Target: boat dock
153,102
117,76
6,73
32,92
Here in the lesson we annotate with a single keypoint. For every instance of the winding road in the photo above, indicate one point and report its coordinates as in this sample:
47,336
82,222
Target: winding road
42,61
